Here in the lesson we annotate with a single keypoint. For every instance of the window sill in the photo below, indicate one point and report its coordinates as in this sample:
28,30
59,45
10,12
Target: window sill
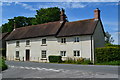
27,46
17,58
77,56
44,59
64,56
62,43
44,45
75,42
17,46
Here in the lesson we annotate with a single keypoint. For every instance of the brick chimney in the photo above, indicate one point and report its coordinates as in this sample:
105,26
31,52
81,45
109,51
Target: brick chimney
14,25
62,15
97,14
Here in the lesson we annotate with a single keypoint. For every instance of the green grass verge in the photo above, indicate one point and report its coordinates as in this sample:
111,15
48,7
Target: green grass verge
109,63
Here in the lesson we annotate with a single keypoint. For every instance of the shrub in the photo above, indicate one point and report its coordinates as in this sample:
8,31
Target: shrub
86,61
70,60
80,60
55,59
107,54
3,66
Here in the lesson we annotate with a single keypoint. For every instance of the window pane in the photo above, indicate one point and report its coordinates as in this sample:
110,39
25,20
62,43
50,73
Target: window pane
28,42
43,54
78,39
78,53
61,53
64,40
17,43
74,53
64,53
75,39
43,41
17,54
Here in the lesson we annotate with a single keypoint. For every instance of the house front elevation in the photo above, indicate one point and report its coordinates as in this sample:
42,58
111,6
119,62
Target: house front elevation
67,39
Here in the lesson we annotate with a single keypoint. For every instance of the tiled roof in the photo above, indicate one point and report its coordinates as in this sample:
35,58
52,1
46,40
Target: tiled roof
4,35
39,30
82,27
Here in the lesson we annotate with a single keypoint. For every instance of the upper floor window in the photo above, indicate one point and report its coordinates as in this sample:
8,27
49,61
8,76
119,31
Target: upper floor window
63,53
17,43
63,40
77,39
27,42
43,54
76,53
43,41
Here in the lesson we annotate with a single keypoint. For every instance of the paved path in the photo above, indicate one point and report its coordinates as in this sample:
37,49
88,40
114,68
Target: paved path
51,70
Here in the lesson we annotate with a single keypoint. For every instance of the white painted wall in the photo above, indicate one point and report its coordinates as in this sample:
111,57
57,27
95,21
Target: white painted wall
53,47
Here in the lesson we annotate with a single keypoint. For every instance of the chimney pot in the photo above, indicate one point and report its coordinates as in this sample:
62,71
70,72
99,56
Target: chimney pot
14,25
97,14
62,15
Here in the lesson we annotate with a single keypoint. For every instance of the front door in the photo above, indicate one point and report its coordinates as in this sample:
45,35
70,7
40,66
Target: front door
27,55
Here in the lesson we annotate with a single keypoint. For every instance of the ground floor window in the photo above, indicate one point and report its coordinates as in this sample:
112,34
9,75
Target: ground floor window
17,54
43,53
63,53
76,53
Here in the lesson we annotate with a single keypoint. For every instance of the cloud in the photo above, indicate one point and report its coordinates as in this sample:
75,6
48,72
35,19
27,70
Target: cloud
62,5
63,0
26,6
111,23
116,36
6,3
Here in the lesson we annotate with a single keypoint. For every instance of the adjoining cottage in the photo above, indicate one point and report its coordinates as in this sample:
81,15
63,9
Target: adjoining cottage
3,36
68,39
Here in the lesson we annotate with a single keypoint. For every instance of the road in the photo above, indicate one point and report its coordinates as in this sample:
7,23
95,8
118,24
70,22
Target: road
51,70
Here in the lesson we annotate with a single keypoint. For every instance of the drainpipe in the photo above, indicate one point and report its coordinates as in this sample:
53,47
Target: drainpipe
92,51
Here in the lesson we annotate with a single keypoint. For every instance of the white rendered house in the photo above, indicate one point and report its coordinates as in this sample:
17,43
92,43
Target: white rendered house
68,39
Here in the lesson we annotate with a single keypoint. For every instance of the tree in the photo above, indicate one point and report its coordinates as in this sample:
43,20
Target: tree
47,15
19,21
43,16
108,38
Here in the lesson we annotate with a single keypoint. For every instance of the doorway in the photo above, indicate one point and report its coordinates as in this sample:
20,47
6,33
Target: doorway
27,55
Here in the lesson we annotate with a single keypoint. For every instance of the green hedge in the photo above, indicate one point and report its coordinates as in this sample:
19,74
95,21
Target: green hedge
55,59
107,54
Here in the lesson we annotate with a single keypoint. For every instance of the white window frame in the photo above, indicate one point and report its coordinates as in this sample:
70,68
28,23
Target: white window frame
17,54
75,53
44,43
63,53
63,40
43,53
27,44
76,39
17,43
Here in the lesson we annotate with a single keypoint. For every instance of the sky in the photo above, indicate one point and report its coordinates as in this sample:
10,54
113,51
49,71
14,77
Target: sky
74,11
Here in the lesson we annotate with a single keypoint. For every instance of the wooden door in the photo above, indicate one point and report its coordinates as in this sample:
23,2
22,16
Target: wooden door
27,55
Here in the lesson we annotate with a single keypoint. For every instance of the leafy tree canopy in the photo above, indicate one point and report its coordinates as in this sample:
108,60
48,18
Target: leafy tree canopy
42,16
19,21
47,15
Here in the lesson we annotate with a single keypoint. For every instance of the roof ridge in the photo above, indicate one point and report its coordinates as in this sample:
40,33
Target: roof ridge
82,20
36,25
